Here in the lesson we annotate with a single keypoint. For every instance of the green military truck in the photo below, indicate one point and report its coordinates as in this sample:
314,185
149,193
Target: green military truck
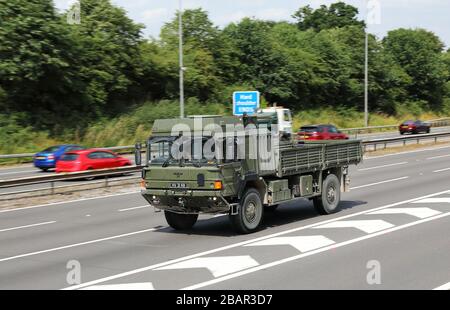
244,181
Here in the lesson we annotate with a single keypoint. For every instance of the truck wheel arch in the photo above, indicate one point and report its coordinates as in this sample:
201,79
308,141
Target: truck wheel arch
257,184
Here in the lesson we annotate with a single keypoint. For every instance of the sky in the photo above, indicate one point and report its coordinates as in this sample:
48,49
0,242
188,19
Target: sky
384,15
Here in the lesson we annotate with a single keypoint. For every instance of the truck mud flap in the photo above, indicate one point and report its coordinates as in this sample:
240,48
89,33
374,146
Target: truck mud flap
234,208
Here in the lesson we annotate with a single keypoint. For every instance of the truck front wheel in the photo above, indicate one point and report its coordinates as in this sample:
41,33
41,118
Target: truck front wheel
250,213
180,221
328,201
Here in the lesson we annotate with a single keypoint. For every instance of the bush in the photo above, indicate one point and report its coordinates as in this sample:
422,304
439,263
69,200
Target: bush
15,138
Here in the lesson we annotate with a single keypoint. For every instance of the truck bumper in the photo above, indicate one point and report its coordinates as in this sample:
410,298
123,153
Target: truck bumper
189,201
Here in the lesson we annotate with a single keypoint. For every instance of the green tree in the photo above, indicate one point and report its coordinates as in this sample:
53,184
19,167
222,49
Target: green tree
108,46
198,30
418,52
201,47
337,15
38,68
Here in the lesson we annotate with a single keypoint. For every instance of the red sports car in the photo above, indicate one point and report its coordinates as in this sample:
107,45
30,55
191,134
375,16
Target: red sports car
90,159
320,132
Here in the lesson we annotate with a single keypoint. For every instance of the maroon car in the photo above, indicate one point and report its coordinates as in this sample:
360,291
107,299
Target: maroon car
320,132
414,127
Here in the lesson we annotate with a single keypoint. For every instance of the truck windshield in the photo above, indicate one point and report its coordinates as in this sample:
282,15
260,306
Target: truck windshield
159,151
162,151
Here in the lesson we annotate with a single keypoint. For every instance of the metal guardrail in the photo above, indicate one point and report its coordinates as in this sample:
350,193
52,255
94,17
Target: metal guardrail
404,139
28,155
434,123
69,176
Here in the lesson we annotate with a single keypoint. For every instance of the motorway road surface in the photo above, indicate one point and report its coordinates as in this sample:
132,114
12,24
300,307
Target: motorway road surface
393,230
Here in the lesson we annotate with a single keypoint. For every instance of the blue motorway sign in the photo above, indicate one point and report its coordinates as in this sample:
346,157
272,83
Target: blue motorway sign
245,102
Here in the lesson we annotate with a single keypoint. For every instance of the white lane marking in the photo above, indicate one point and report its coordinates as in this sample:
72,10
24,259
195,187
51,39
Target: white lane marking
409,152
238,244
69,201
19,172
218,266
27,226
367,226
378,183
417,212
75,245
434,200
383,166
134,208
436,157
301,243
444,287
146,286
441,170
297,257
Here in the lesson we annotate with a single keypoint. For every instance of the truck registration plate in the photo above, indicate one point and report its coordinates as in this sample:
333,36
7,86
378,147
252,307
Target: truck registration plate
178,185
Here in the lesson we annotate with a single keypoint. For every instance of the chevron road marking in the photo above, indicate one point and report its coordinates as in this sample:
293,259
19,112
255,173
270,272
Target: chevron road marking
218,266
434,200
277,234
367,226
301,243
122,287
444,287
417,212
310,253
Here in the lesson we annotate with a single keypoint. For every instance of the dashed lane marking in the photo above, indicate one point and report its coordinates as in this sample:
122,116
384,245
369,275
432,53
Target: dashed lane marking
378,183
27,226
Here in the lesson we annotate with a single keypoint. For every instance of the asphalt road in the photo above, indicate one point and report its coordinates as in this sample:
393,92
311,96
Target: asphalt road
392,233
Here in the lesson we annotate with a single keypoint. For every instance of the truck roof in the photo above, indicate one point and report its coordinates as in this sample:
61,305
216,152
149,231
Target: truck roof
165,126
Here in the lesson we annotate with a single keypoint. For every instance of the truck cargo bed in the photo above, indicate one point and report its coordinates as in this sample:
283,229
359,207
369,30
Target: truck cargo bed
312,156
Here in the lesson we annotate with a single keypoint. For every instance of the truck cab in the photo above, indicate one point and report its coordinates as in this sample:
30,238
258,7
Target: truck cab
283,116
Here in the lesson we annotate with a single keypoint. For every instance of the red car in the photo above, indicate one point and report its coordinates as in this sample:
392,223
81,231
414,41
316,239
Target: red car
414,127
320,132
90,159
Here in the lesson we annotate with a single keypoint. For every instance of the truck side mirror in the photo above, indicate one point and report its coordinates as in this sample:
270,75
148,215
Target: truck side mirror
137,154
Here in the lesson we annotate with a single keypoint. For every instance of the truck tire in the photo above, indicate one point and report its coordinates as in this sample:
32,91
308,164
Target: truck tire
328,201
180,221
250,213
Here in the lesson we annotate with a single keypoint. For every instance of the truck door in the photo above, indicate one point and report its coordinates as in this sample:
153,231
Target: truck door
285,120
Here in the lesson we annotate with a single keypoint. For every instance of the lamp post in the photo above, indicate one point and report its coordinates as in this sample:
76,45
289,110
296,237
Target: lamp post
366,79
180,33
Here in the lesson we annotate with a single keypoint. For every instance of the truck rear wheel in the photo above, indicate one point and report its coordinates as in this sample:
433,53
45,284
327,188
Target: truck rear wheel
180,221
328,201
250,213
